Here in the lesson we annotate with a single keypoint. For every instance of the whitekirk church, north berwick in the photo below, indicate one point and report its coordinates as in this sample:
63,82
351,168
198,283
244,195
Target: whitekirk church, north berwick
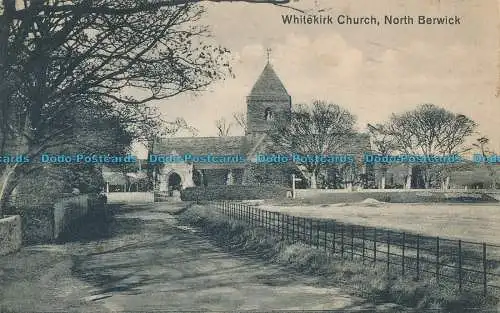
268,100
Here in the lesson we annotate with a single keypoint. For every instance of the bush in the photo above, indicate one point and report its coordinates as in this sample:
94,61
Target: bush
233,192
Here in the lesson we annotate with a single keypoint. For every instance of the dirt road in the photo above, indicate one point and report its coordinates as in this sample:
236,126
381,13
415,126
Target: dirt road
142,260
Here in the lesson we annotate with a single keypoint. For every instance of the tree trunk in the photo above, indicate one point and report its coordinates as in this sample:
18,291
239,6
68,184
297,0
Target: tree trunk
383,178
314,183
7,186
409,177
446,183
382,182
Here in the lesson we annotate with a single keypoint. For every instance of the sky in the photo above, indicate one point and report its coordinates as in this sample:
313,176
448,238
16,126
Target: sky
371,70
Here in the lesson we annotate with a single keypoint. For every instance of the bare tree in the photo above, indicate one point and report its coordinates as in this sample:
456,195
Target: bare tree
58,54
430,130
223,127
318,130
60,57
482,144
241,120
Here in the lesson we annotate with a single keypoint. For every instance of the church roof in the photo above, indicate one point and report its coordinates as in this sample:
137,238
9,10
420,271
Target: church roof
268,84
227,145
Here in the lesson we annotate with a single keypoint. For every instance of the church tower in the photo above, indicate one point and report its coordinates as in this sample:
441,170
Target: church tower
268,100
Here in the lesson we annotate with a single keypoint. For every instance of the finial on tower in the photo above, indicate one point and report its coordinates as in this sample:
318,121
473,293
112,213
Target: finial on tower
268,54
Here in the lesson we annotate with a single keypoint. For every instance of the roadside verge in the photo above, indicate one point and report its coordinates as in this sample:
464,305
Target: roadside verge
373,283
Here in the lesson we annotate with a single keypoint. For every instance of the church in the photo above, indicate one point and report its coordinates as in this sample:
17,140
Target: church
267,101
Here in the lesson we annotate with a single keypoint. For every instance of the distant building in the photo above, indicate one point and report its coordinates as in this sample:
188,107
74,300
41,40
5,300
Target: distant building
116,180
268,100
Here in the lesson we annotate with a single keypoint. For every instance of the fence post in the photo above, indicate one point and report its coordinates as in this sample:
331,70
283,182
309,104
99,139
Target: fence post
437,259
304,235
374,246
485,264
403,255
388,250
272,222
363,238
460,265
352,242
418,257
281,226
293,229
277,217
311,242
266,221
317,233
334,235
326,235
287,235
342,241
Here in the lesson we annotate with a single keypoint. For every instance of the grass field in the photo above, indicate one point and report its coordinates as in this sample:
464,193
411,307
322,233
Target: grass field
472,222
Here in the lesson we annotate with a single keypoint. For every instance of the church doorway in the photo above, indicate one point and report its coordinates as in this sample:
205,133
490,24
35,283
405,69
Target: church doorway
174,182
197,178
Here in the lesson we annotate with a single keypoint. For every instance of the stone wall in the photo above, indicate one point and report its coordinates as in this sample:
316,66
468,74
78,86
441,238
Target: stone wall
130,197
37,223
10,234
68,210
256,108
44,223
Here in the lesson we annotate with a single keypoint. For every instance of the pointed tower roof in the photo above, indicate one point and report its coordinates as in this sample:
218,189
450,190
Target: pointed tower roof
268,84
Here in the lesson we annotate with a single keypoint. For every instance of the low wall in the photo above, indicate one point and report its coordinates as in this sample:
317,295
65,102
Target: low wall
234,192
43,223
10,234
130,197
37,223
68,210
394,196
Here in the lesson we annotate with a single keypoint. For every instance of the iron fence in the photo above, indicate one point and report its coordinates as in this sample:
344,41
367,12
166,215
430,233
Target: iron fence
466,263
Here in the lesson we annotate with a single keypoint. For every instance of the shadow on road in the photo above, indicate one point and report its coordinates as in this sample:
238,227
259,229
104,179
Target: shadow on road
103,224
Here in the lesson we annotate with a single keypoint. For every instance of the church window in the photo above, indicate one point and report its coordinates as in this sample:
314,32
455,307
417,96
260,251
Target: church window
268,115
